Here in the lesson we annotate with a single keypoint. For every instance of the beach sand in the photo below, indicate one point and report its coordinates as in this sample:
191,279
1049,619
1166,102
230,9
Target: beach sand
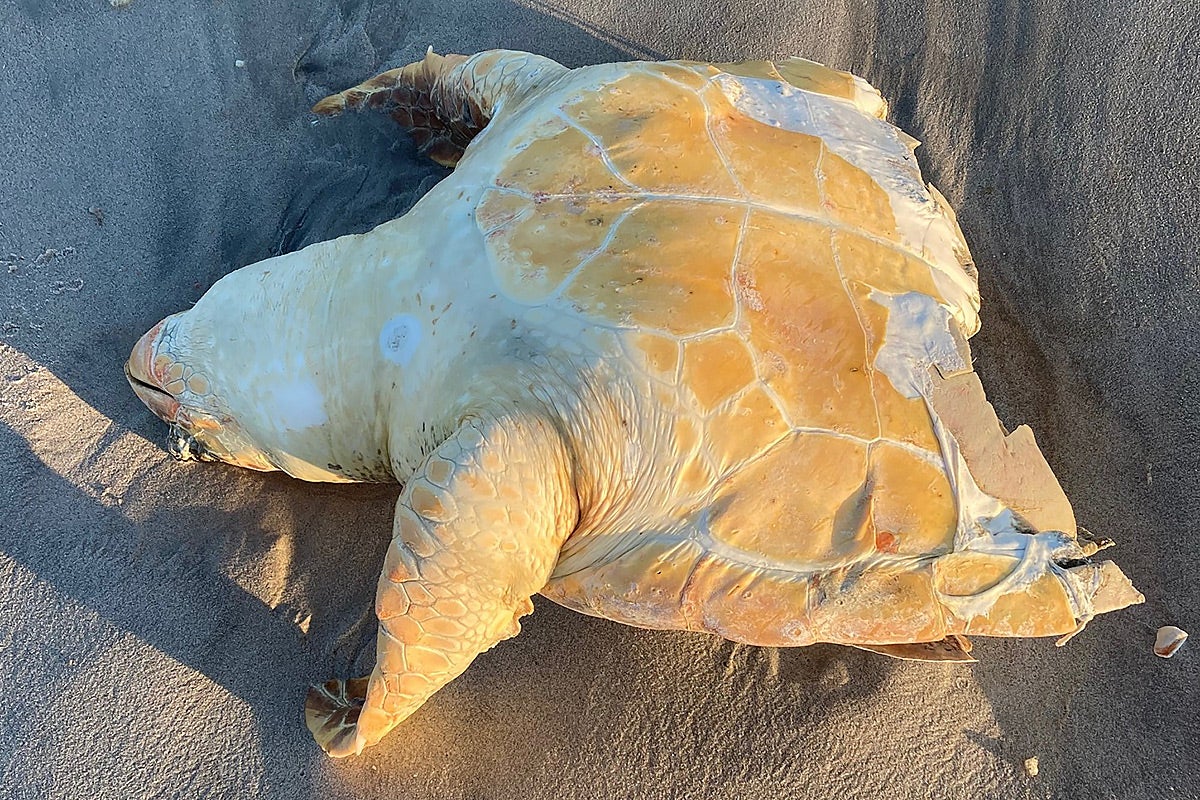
160,622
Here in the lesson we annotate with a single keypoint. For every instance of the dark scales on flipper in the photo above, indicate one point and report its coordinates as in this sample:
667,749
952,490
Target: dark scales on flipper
331,711
182,446
415,98
444,101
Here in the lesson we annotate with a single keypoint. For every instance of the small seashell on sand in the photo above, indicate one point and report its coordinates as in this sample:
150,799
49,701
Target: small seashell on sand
1031,766
1168,641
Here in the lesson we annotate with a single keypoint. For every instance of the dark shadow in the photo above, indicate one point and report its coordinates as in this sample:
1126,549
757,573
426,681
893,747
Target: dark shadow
165,580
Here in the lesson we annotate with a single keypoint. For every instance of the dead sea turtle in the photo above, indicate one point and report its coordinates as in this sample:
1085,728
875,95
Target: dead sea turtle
681,345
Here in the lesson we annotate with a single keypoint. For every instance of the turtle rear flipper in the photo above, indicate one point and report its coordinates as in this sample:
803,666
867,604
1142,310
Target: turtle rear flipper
954,648
331,713
444,101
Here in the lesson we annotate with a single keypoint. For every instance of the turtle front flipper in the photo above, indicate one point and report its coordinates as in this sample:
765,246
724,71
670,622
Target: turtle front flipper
444,101
477,533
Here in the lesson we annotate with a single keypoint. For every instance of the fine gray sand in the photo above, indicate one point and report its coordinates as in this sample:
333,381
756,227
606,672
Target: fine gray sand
160,622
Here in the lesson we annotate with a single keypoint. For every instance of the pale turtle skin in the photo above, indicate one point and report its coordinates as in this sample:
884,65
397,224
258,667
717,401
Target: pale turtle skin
681,345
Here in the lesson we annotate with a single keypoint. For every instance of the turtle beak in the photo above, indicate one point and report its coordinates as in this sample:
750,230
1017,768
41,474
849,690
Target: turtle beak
141,374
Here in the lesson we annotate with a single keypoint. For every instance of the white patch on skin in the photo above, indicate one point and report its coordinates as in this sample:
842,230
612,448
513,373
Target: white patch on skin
884,152
918,337
296,404
399,338
1035,555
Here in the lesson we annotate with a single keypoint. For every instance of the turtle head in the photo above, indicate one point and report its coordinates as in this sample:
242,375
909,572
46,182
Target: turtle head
266,370
177,383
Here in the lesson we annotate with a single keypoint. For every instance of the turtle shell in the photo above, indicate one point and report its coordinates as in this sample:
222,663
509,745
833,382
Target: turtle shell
762,240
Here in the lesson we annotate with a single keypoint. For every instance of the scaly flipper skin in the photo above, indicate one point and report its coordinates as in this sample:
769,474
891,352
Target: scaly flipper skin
443,101
477,533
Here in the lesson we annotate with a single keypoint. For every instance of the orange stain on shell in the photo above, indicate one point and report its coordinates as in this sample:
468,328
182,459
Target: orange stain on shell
913,502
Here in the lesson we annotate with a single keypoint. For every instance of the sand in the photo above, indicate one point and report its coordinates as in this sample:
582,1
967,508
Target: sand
159,622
